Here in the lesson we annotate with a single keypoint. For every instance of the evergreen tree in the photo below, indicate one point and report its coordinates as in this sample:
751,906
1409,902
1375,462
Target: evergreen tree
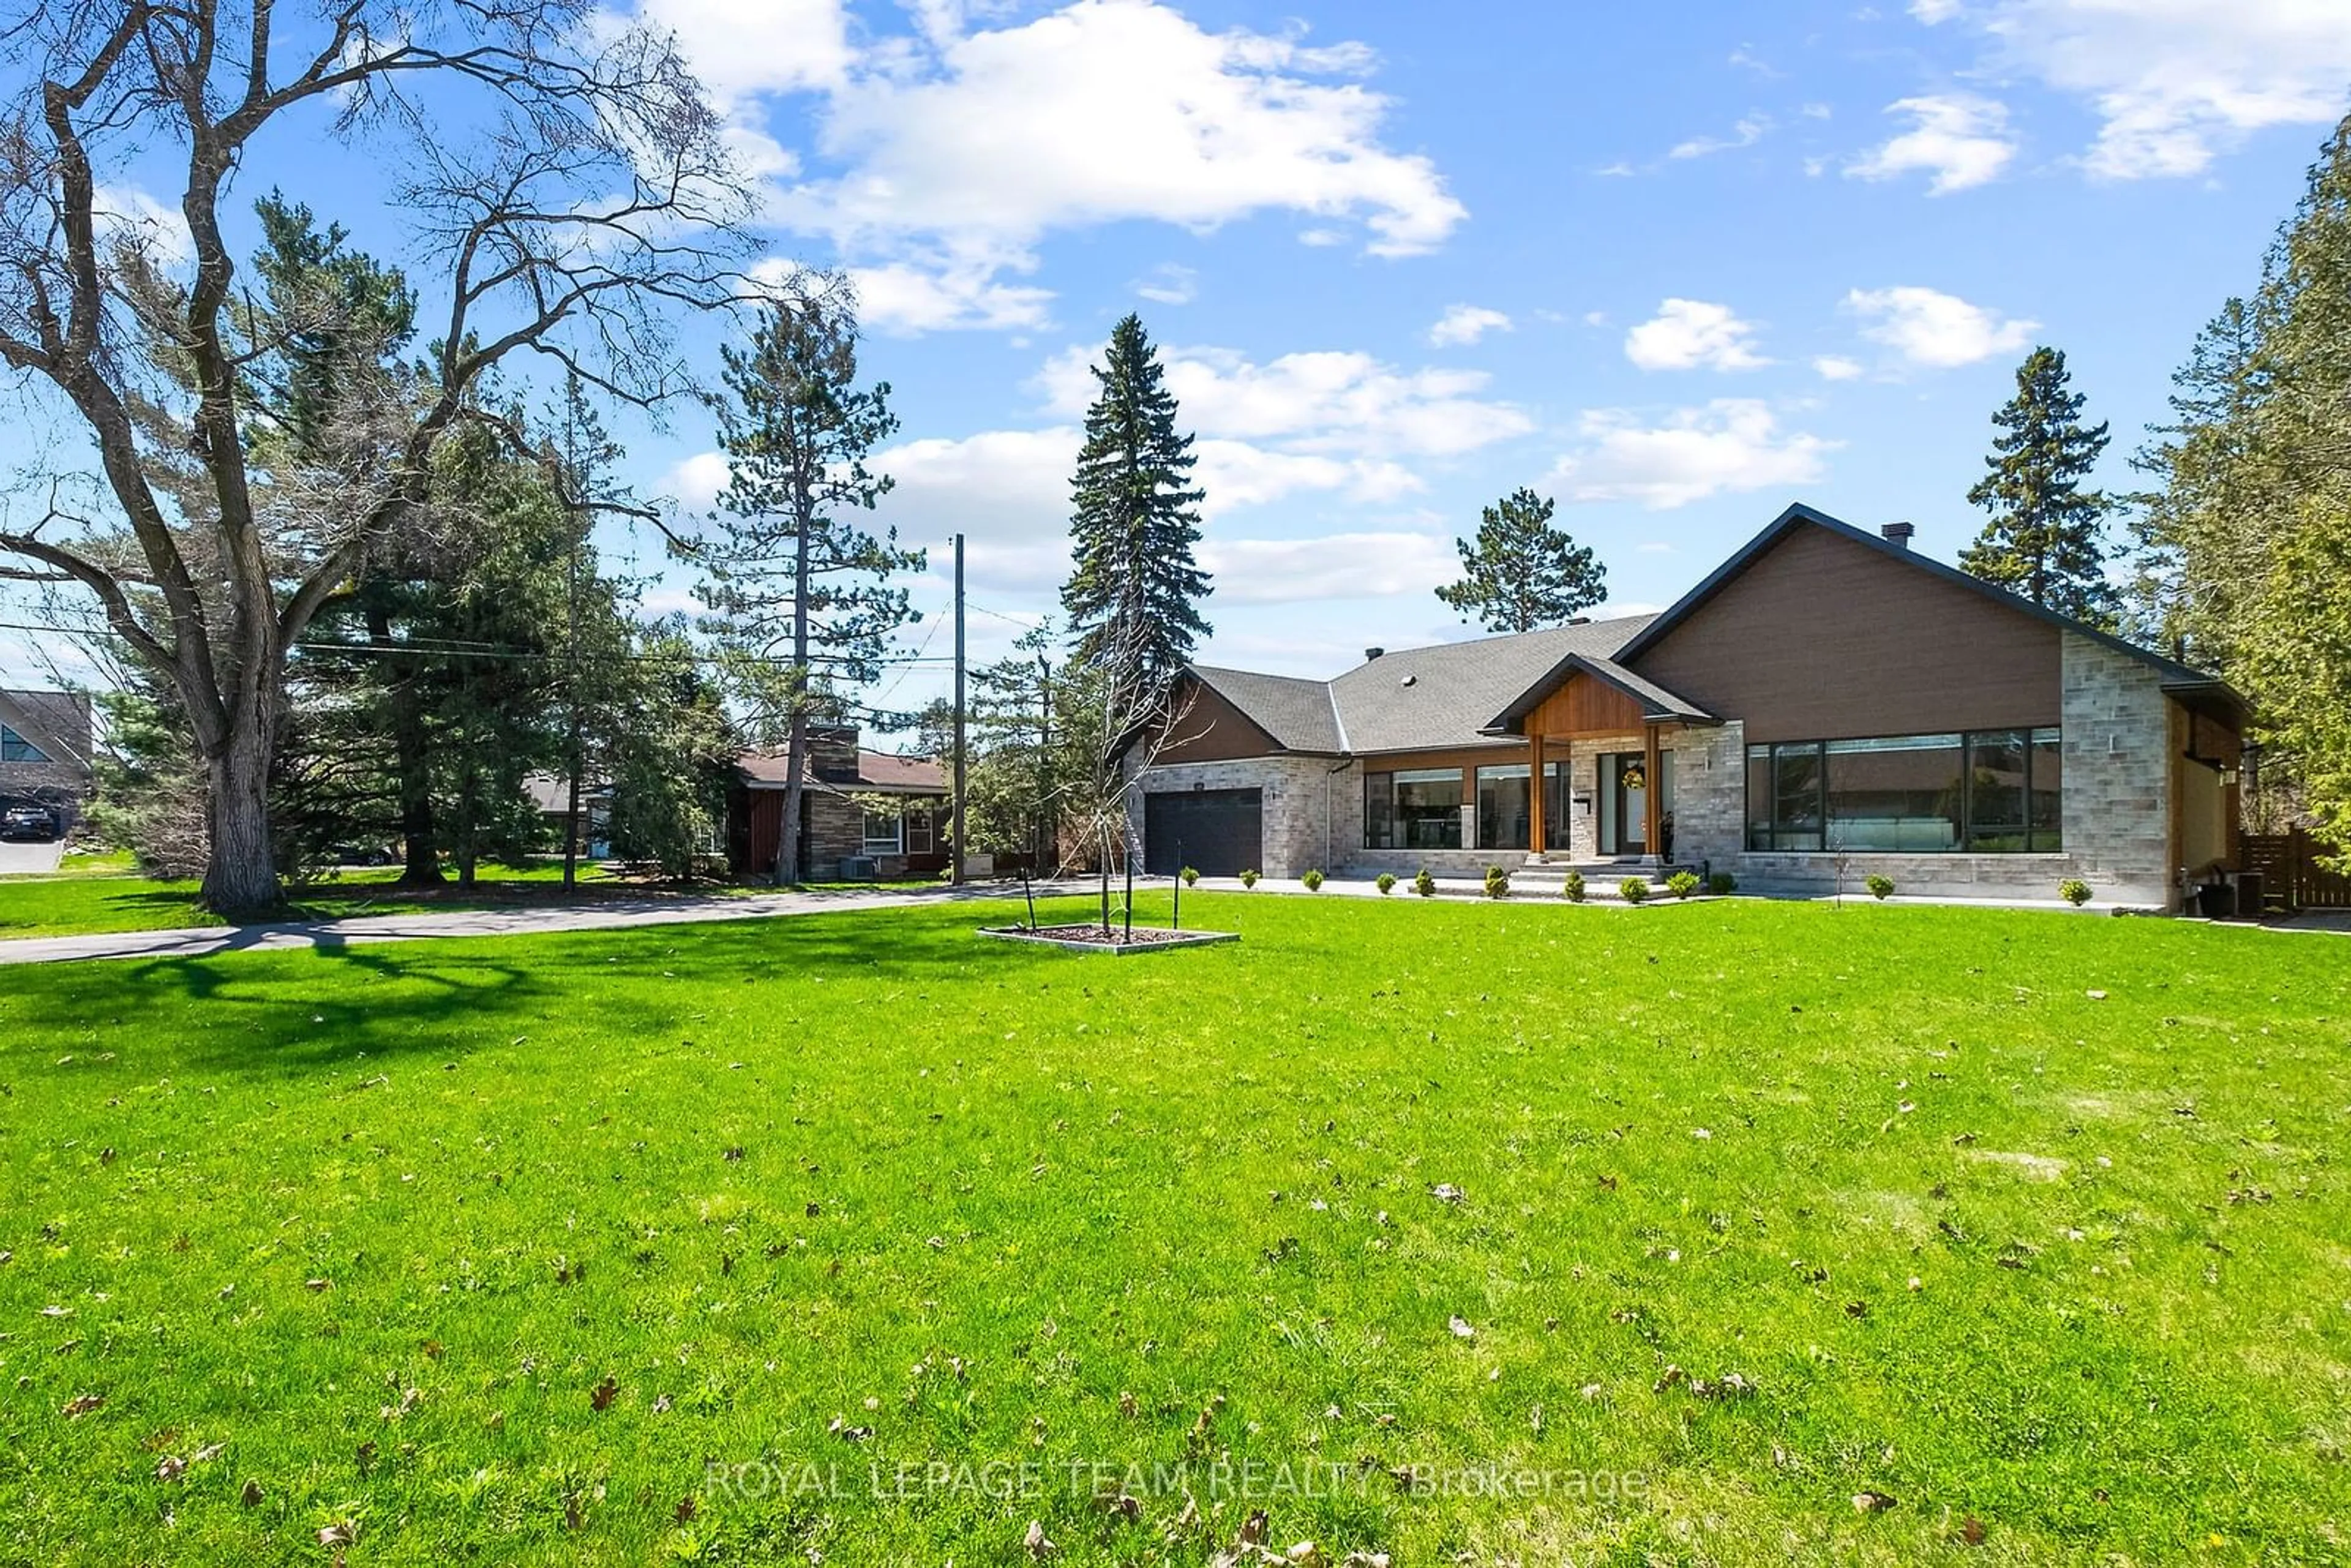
2045,538
1522,574
799,598
2248,538
1135,589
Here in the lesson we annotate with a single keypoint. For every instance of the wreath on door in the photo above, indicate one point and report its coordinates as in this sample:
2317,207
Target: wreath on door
1633,778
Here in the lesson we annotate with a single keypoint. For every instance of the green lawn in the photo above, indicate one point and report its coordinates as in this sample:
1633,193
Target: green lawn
611,1247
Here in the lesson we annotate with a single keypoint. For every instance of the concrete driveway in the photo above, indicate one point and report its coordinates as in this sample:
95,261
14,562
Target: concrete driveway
30,860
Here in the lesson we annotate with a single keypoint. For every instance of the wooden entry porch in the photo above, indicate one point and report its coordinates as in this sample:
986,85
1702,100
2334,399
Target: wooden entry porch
1585,708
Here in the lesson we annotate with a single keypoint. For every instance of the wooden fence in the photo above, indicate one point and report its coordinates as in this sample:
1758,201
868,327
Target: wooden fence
2291,877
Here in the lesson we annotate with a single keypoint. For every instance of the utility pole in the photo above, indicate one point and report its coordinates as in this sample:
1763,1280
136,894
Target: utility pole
958,876
1048,841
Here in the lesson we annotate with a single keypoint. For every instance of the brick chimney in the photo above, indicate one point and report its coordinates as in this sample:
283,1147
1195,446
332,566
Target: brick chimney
1898,534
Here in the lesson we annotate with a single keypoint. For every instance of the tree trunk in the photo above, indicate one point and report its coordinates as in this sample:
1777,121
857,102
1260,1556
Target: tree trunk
788,869
420,863
241,881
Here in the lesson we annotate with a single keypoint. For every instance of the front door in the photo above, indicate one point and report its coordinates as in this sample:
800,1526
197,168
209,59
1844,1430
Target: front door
1630,783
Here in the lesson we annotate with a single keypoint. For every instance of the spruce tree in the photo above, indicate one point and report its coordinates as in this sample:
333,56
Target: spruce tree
1133,593
1522,573
2045,539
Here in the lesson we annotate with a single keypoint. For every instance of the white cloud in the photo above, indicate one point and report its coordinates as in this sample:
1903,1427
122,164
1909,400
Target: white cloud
1961,139
1008,491
1936,329
1837,368
694,481
957,151
1727,446
1466,324
126,212
1747,133
2174,82
1169,284
903,297
1685,334
1326,401
1333,566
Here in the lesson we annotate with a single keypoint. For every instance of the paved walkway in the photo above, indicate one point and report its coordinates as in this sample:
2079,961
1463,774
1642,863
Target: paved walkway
426,924
20,859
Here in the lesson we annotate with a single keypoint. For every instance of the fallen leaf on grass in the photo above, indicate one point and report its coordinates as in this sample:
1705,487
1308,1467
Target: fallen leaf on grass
318,1284
1446,1192
1972,1531
1038,1546
252,1495
1461,1329
342,1535
601,1397
83,1404
1872,1502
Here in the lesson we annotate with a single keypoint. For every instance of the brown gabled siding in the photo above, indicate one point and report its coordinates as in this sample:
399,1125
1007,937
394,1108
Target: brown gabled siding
1823,638
1207,728
1583,705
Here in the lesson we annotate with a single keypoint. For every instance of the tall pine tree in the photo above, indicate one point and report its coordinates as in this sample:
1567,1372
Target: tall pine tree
2047,536
1133,594
1521,573
799,597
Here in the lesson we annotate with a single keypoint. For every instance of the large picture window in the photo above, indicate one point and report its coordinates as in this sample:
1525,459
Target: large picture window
1505,811
883,833
14,747
1989,791
1413,809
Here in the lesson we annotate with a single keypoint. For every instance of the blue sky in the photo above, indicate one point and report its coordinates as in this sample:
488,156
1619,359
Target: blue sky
1675,265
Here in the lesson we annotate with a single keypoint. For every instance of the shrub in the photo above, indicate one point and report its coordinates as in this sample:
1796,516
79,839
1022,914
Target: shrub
1385,882
1314,881
1633,889
1574,887
1424,884
1249,879
1879,884
1682,883
2073,891
1497,882
1721,884
1190,875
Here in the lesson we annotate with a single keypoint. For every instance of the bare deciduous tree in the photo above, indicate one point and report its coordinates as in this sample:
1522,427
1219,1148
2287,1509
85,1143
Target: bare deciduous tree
563,186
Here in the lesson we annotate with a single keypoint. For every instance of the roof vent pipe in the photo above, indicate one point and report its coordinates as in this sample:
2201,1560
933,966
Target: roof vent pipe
1371,653
1898,534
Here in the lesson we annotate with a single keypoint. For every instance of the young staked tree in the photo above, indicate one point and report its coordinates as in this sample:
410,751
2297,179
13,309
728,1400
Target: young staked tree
2047,536
563,177
1134,591
799,597
1522,574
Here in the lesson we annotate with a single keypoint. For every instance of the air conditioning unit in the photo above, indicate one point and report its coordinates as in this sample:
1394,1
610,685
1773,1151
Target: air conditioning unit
857,868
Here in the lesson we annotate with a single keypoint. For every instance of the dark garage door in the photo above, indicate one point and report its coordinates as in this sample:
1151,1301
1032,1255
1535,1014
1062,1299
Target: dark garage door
1213,830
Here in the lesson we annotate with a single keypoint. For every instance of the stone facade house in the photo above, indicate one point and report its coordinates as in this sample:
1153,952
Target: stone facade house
1825,705
46,751
843,819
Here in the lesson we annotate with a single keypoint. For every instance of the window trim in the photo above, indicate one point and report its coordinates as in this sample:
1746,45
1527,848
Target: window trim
1770,827
29,755
895,844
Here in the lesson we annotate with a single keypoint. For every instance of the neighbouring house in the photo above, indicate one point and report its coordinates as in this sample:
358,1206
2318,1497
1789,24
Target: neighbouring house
46,755
550,797
1826,705
859,806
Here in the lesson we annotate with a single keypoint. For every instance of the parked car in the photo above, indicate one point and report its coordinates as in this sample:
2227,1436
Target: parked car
34,824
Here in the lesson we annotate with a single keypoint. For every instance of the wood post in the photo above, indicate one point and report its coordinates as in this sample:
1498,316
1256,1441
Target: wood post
1652,797
1537,828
